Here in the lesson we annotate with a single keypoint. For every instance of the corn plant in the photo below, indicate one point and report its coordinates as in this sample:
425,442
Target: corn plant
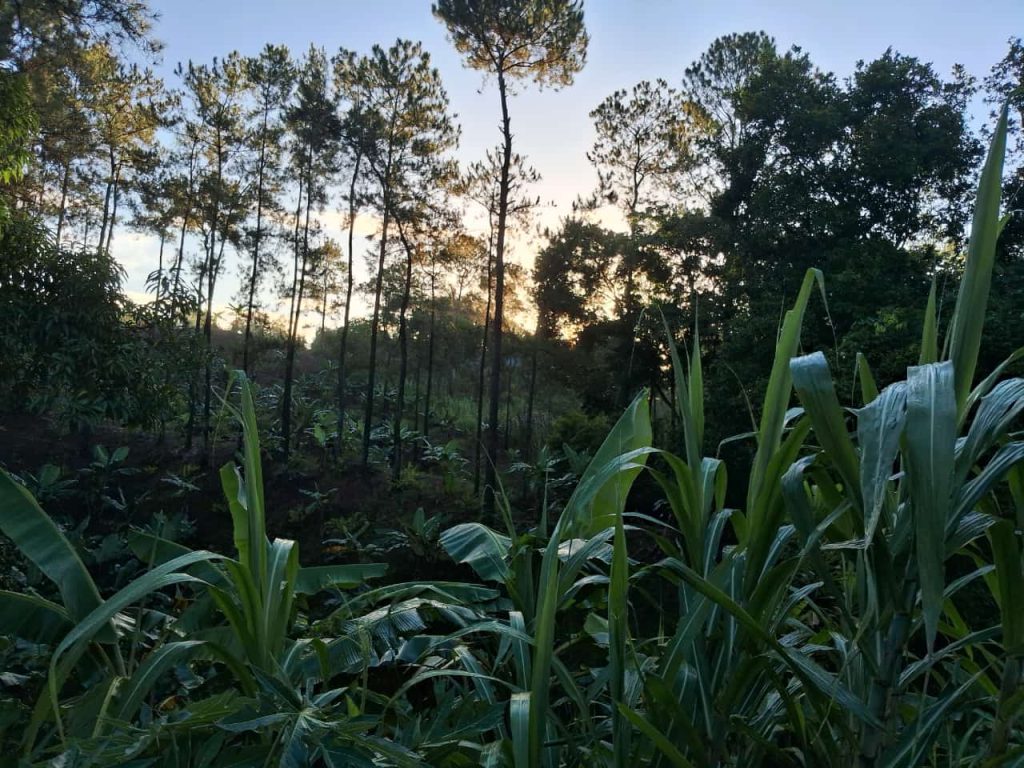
111,654
817,625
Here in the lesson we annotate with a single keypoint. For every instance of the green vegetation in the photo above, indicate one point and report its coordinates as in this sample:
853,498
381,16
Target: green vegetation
750,494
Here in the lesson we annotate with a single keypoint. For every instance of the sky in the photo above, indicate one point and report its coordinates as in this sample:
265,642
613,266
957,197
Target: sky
630,40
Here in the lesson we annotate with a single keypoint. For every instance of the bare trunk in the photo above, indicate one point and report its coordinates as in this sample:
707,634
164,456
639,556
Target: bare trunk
528,440
403,351
113,209
160,265
63,200
343,345
478,443
430,355
257,237
375,322
499,306
293,325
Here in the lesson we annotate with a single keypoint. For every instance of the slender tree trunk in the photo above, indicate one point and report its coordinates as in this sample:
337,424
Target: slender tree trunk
106,203
374,326
257,237
416,397
186,214
528,447
499,305
343,345
293,323
403,350
323,303
179,259
508,408
193,385
478,443
211,281
160,264
113,208
63,200
430,354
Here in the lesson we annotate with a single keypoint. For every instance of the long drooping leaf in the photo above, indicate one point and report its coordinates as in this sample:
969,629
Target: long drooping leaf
812,381
929,449
313,579
74,643
32,618
879,427
148,674
481,548
41,541
972,300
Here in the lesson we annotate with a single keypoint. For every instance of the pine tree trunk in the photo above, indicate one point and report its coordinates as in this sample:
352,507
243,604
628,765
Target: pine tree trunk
478,443
374,327
63,200
403,351
528,440
430,356
293,325
499,306
113,209
257,237
343,345
160,265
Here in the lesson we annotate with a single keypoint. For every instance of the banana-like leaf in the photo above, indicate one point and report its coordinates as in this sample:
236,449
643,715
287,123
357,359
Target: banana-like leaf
481,548
930,442
32,618
313,579
39,539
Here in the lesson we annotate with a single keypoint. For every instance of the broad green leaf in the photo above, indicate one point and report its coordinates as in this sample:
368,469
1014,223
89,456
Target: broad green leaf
812,381
929,447
311,580
879,428
40,540
481,548
32,618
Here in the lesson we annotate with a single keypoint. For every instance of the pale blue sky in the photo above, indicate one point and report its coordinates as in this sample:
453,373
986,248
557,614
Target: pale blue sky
630,40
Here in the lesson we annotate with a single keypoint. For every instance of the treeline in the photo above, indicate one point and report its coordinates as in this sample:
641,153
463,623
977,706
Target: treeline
753,166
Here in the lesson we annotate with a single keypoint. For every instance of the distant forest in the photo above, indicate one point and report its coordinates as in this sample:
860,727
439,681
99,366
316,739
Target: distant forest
732,178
